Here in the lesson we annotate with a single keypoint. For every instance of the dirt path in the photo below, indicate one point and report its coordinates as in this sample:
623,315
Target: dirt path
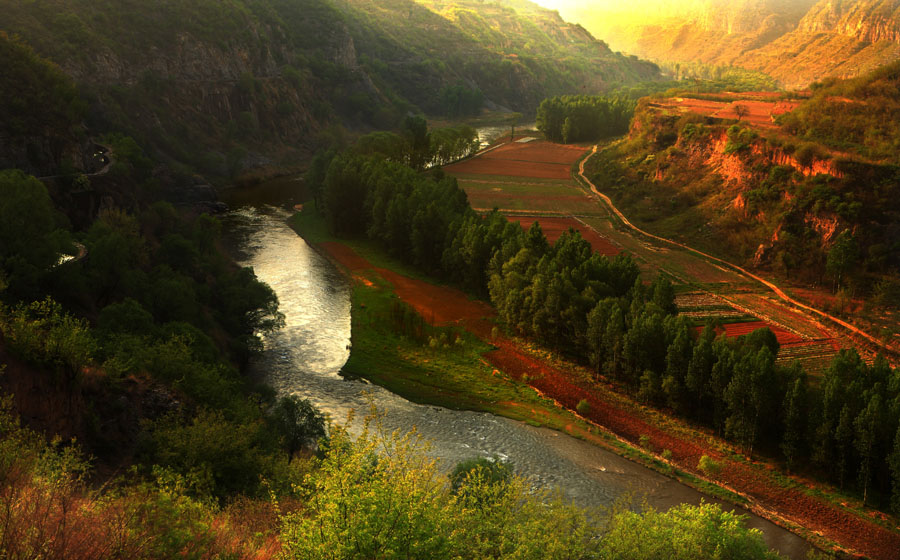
610,410
869,339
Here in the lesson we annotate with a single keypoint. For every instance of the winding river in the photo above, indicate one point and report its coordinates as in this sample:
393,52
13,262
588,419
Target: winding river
305,357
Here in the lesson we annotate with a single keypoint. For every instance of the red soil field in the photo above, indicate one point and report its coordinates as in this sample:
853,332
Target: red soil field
629,422
733,330
537,150
537,159
553,228
760,113
499,196
439,305
511,168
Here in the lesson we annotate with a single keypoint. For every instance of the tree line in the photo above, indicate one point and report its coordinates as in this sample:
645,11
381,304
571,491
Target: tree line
582,118
597,310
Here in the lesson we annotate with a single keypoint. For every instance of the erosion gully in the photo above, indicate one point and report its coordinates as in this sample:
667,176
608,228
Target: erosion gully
306,356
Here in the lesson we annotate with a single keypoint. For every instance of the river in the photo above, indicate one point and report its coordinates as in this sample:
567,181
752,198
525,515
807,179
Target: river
305,358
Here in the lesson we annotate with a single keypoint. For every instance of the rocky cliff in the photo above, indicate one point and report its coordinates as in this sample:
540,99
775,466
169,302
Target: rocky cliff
796,42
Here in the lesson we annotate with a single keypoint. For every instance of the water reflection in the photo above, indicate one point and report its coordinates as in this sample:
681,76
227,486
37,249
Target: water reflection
304,358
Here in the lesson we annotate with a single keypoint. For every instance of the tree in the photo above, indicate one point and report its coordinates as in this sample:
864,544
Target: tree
741,110
795,405
894,463
842,258
866,427
30,241
297,423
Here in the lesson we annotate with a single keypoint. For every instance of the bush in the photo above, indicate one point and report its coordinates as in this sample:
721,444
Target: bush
708,466
583,407
685,532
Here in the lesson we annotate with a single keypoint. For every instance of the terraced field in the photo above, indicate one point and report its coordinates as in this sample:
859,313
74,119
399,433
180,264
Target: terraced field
531,180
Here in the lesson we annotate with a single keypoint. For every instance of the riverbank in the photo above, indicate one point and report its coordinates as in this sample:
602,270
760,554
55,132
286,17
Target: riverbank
639,434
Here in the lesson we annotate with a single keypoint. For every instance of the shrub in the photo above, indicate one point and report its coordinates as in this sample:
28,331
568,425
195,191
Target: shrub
583,407
708,466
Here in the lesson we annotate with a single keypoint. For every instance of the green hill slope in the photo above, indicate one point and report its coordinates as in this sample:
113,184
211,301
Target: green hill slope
223,86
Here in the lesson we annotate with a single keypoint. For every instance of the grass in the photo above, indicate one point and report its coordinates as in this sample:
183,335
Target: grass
443,367
456,376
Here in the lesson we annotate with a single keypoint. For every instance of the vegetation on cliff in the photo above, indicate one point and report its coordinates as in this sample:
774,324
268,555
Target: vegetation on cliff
223,87
595,309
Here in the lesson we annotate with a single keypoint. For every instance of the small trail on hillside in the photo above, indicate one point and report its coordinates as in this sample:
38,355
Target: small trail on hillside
890,351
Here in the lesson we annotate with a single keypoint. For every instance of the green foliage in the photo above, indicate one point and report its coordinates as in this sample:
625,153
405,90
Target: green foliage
684,532
216,456
36,97
859,114
842,258
460,101
297,423
708,466
30,240
699,77
480,471
382,497
583,407
42,334
739,139
580,118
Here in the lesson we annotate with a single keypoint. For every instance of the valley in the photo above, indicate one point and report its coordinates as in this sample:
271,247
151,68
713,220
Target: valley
456,279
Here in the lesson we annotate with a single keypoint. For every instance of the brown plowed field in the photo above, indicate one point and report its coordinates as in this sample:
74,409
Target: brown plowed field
439,305
536,159
628,421
537,150
553,228
760,113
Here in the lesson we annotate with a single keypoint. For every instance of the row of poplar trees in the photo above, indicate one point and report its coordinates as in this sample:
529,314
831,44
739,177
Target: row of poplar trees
844,426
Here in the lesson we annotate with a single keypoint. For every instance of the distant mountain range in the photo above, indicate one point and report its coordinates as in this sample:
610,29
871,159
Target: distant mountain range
795,41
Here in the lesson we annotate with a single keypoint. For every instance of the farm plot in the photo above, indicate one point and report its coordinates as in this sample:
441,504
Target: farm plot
758,113
733,330
523,196
814,355
553,228
763,306
538,159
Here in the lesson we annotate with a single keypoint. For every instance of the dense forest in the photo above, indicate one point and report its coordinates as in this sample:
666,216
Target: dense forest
569,119
225,88
596,309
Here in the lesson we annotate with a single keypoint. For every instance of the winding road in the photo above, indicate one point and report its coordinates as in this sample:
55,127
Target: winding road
889,351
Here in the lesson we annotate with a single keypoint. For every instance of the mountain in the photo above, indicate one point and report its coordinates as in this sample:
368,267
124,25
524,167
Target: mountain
772,181
795,41
225,86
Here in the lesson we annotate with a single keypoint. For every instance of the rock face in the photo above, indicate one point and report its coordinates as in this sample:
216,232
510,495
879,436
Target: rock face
868,22
796,42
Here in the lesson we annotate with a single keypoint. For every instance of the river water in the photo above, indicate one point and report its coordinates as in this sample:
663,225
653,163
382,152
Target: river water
305,358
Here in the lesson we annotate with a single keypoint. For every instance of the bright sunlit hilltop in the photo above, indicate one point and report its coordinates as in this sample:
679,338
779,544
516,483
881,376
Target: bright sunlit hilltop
794,41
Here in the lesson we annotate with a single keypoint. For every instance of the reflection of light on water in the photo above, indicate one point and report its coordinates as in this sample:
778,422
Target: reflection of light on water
487,134
305,358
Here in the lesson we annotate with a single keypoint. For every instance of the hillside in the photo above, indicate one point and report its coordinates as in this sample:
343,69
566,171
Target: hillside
796,42
804,188
222,87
